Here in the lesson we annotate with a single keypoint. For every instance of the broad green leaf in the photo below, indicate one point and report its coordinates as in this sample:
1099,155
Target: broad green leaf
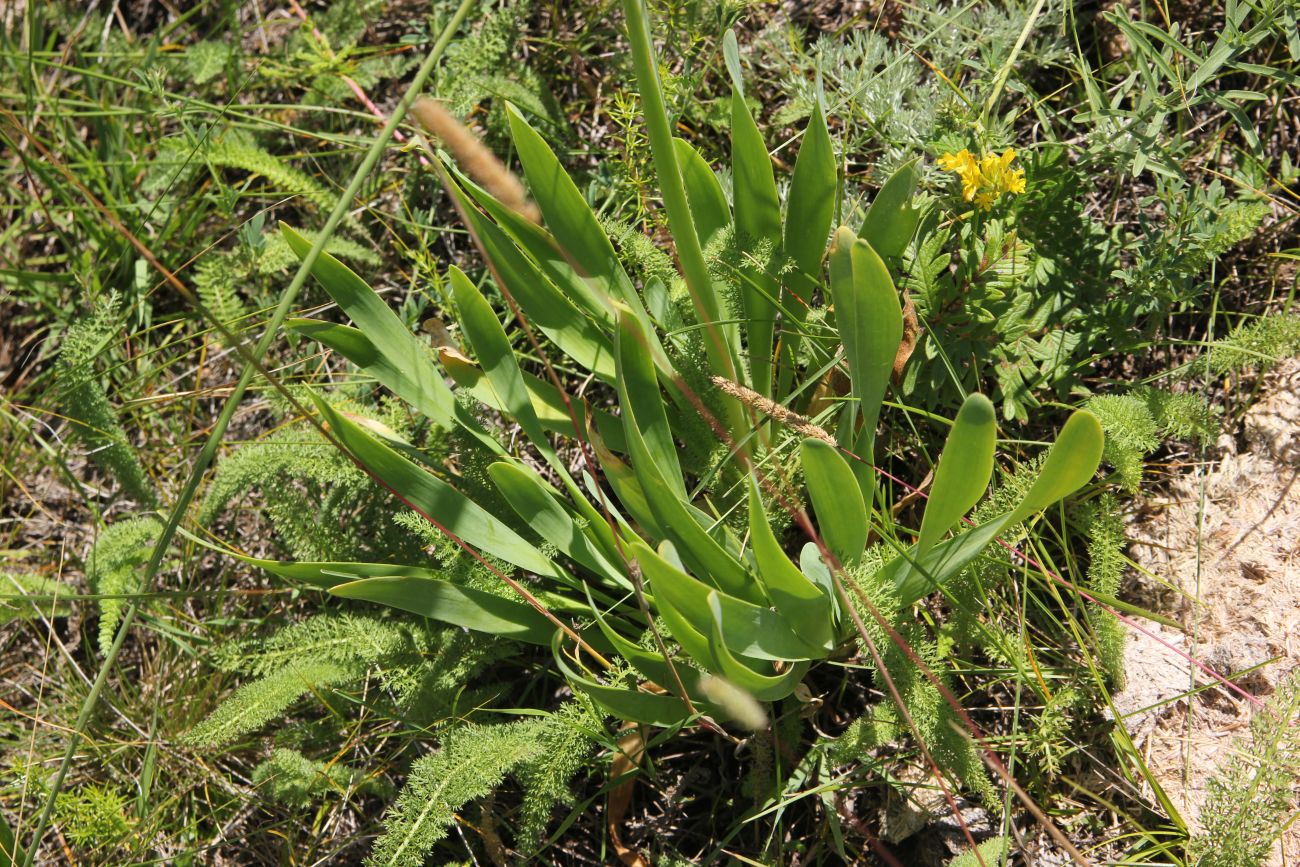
626,704
802,604
567,214
708,647
627,487
536,503
708,203
758,219
815,570
451,603
841,511
870,321
545,251
543,305
328,574
1070,464
891,220
810,208
963,473
750,630
764,687
649,663
549,406
402,351
675,520
492,347
642,403
436,500
11,855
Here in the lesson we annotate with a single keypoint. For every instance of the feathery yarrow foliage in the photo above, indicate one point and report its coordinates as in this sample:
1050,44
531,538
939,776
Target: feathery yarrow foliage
1250,800
113,569
83,399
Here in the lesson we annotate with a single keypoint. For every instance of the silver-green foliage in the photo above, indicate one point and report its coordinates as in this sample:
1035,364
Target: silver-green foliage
1253,344
291,778
1106,541
422,668
320,504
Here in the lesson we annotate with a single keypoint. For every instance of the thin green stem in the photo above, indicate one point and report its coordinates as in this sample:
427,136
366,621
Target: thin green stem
1005,71
210,447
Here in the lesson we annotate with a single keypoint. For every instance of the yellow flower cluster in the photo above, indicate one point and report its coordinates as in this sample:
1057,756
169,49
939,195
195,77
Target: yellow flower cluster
983,180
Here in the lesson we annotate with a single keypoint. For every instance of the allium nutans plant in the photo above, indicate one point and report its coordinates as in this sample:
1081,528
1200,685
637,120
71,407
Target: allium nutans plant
617,550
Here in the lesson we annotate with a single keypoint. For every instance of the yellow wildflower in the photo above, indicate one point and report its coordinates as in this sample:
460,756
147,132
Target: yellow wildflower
964,164
984,180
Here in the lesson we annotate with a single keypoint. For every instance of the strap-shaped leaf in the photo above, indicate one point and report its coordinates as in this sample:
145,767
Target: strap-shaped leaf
841,511
546,308
758,219
1070,464
810,208
536,503
323,574
652,665
870,320
764,687
550,407
451,603
704,642
627,487
815,570
802,604
492,347
750,630
567,214
436,499
708,202
641,402
400,348
354,345
891,220
963,473
632,705
675,521
758,208
542,247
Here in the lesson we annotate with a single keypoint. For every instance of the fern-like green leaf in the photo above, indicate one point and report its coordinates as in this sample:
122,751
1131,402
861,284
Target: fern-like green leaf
291,778
52,599
83,399
473,760
236,153
112,569
257,703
